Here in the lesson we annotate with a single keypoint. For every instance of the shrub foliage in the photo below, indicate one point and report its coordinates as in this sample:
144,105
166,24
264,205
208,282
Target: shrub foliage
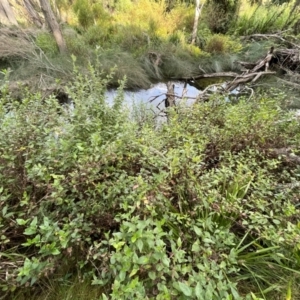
197,208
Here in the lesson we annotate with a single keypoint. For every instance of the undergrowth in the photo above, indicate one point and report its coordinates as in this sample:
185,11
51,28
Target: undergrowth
197,208
148,41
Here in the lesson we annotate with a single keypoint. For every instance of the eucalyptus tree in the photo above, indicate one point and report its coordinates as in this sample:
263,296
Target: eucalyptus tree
7,15
53,25
198,8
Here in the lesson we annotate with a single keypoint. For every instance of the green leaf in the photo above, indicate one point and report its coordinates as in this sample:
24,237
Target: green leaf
140,244
159,267
112,260
152,275
55,252
133,272
34,222
21,221
185,289
30,231
198,231
196,247
208,241
208,292
143,260
222,265
166,261
4,210
234,293
118,245
179,242
199,291
122,276
104,297
33,280
255,298
79,147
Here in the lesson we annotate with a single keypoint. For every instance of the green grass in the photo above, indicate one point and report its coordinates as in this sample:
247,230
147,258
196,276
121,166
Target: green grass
264,19
72,289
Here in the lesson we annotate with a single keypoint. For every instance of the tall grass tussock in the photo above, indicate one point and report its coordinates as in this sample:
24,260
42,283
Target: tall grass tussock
269,18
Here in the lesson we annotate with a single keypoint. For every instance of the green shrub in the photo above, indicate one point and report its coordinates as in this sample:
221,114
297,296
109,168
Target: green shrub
222,44
47,43
132,39
36,161
84,13
175,61
98,35
128,66
77,46
177,38
155,258
196,208
219,15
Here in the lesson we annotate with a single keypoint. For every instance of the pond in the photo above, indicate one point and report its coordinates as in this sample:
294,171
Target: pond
156,94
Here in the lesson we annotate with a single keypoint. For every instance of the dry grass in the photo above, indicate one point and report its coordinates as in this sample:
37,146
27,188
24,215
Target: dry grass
16,43
28,63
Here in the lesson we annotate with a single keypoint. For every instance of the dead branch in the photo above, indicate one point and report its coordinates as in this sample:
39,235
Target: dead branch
244,78
212,75
252,75
212,88
287,60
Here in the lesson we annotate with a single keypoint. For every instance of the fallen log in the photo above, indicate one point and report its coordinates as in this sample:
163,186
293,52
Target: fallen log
286,60
257,70
265,63
244,78
212,75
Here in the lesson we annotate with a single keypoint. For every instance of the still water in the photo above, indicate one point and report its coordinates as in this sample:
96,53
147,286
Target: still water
156,94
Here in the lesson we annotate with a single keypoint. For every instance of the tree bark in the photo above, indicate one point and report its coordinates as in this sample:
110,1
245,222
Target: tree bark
7,15
170,99
53,25
33,13
198,8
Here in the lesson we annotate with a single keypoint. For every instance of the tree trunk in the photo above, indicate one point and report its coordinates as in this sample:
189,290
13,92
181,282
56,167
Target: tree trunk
170,99
53,25
33,13
7,15
198,8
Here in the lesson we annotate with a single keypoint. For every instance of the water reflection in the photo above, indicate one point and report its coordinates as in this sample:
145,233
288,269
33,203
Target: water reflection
156,94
